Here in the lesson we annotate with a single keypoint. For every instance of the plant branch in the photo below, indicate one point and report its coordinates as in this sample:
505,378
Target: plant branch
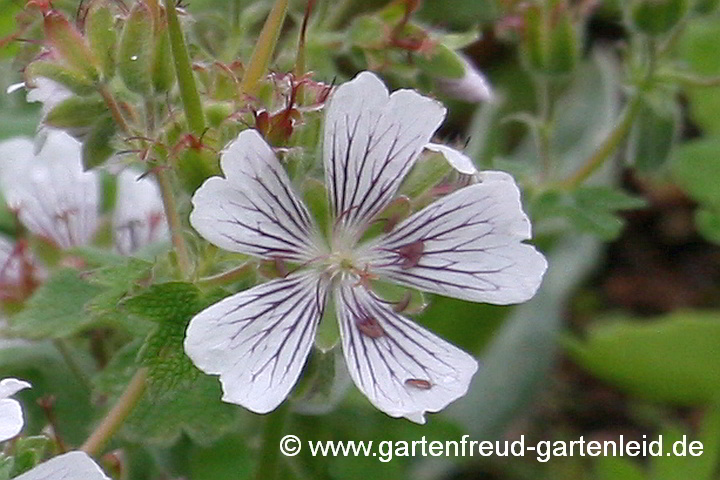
117,415
174,223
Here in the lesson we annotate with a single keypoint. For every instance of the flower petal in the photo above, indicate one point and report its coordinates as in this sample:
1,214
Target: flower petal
254,210
68,466
54,197
458,160
371,141
258,340
11,415
403,369
466,245
11,419
139,216
10,386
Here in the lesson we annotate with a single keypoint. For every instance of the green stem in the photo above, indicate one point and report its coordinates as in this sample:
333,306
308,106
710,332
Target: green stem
183,69
174,223
117,415
230,276
270,448
114,109
608,146
65,352
264,48
544,130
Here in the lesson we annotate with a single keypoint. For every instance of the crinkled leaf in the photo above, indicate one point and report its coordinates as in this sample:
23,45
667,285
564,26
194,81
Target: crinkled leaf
673,359
57,308
194,408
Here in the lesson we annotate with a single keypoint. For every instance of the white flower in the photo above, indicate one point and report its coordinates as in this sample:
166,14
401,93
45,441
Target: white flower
11,416
55,199
74,465
53,196
139,216
466,245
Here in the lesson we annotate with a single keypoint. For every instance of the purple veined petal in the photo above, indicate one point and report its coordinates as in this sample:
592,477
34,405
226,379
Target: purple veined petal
52,194
258,340
371,141
457,159
68,466
11,415
254,210
403,369
139,216
466,245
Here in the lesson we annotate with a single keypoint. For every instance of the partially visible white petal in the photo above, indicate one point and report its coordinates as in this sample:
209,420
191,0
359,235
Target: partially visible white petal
258,340
11,419
15,87
54,197
10,386
139,216
371,141
10,268
47,92
403,369
68,466
473,87
457,159
466,245
11,415
254,210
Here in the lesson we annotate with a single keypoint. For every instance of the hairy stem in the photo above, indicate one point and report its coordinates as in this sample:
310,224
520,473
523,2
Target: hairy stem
117,415
183,69
174,223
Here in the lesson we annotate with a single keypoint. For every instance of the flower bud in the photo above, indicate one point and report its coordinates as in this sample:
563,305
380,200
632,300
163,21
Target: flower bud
551,43
71,46
656,17
136,50
471,87
100,30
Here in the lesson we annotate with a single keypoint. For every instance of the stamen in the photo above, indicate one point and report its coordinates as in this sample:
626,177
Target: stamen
418,383
370,326
410,254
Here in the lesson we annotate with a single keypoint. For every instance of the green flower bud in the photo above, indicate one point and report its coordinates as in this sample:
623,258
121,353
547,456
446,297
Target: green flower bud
163,70
75,81
136,50
100,30
656,17
71,46
551,44
77,112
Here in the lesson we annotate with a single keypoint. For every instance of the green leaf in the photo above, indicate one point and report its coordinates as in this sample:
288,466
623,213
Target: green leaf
441,62
161,416
695,165
617,468
653,134
708,224
57,308
76,112
97,147
672,359
29,451
698,48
